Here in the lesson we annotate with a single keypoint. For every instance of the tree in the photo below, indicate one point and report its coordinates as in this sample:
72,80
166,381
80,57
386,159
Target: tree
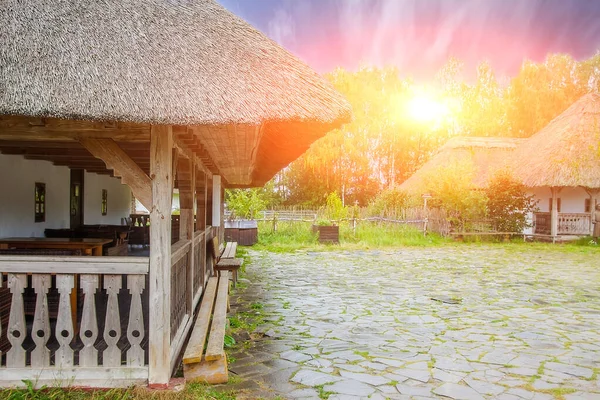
508,203
245,203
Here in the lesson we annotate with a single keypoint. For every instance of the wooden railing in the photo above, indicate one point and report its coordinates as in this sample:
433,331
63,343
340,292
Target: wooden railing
69,321
568,223
180,265
190,271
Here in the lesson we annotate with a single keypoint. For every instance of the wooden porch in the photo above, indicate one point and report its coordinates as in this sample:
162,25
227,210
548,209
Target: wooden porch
108,337
567,223
158,105
107,345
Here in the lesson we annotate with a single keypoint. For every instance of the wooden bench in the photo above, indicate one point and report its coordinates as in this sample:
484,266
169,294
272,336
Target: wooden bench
226,261
209,366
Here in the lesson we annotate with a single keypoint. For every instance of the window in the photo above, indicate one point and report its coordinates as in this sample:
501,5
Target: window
104,202
587,206
40,202
550,204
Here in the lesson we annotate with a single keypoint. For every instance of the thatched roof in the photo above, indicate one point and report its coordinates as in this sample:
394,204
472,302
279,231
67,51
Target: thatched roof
485,155
567,151
153,61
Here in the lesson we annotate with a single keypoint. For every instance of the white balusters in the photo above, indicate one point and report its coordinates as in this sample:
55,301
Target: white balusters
63,357
88,356
40,332
112,325
135,327
15,357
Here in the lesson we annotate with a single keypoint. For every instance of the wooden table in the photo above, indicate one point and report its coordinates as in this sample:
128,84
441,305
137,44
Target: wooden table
88,246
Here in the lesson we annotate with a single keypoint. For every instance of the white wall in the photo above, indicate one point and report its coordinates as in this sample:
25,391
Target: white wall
572,199
17,183
118,200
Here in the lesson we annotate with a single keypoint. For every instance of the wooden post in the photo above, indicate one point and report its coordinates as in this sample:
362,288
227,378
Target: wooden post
554,213
216,201
594,194
209,200
161,143
201,201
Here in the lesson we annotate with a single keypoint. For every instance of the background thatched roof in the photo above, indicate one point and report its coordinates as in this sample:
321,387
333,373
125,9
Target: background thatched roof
486,156
567,151
152,61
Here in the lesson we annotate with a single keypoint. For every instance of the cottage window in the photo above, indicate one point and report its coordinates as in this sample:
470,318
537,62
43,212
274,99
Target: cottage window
587,207
550,204
40,202
104,202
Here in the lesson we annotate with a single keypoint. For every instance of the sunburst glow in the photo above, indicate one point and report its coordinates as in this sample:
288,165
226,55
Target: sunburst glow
425,108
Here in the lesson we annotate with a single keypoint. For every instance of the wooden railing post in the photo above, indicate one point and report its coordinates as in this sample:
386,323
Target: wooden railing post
161,143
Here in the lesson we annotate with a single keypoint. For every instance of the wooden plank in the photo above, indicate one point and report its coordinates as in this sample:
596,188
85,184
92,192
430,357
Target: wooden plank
63,357
88,356
179,340
179,250
111,357
135,328
99,377
40,332
193,352
74,265
216,339
123,166
17,329
211,372
161,144
230,250
32,128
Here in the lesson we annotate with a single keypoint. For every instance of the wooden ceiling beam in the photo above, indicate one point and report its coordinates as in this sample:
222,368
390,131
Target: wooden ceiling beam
116,159
26,144
28,128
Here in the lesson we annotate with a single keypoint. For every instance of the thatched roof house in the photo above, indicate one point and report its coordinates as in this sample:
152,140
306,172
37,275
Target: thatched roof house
567,151
159,93
170,63
485,155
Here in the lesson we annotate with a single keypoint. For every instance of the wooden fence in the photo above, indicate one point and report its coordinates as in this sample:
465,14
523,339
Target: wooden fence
433,220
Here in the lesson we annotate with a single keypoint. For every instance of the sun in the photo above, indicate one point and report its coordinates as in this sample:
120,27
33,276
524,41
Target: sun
425,108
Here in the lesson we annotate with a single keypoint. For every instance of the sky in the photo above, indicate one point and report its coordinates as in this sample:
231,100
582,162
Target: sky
418,36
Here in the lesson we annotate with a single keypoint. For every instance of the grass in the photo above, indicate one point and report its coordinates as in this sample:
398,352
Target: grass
292,236
191,391
295,236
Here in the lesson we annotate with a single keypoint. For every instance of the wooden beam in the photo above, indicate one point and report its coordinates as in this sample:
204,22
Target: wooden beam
28,128
123,166
161,164
33,144
188,153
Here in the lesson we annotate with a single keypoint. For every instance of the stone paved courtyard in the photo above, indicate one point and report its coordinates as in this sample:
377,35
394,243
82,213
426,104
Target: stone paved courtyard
462,322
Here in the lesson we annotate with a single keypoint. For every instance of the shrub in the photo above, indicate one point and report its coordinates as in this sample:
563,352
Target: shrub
245,203
451,188
508,203
335,210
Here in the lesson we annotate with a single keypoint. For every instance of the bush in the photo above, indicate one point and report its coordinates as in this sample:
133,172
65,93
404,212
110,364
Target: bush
451,188
390,203
335,210
508,203
245,203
